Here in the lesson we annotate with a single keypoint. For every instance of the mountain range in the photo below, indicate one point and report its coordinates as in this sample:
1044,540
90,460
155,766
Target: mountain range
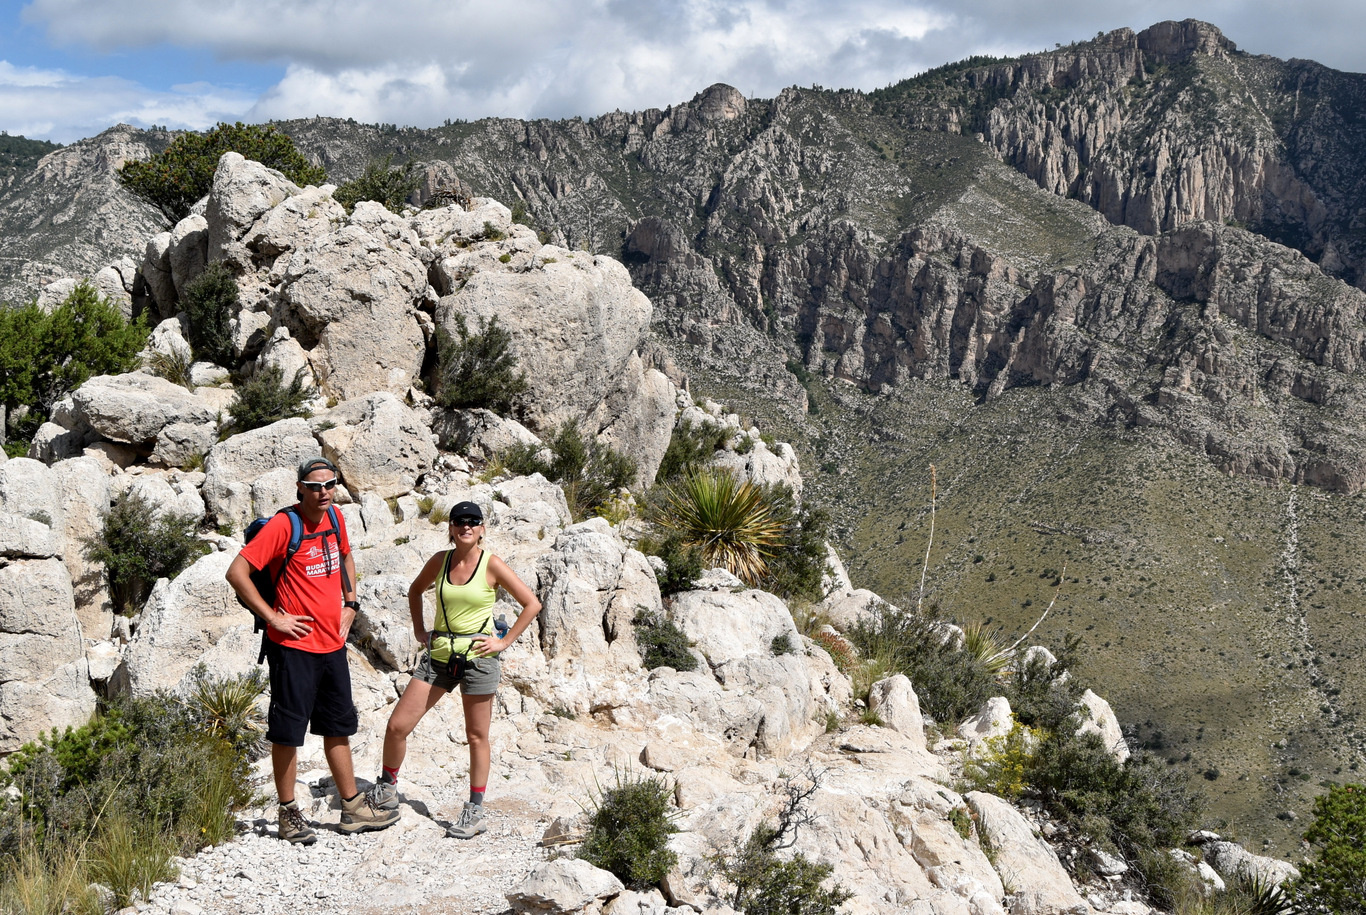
1112,292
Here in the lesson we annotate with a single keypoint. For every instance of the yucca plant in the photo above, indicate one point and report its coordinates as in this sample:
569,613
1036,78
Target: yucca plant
733,522
226,708
984,649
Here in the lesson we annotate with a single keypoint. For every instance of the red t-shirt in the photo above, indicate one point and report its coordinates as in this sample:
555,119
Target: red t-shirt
313,585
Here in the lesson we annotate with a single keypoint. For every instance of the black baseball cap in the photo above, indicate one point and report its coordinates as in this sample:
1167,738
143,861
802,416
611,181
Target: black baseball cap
467,510
315,463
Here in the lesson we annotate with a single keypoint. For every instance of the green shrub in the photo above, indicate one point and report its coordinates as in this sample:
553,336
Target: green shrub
733,522
951,683
264,399
1002,763
781,645
1040,695
175,179
173,366
767,884
382,184
662,643
690,448
478,370
589,472
628,833
210,302
226,709
45,356
797,567
682,562
1334,879
1131,807
137,546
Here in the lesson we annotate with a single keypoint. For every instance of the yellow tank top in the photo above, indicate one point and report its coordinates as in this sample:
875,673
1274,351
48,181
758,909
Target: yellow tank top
462,611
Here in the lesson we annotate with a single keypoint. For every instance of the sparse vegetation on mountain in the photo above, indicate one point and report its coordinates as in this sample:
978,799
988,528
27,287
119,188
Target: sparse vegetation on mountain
662,643
1333,880
139,544
590,473
210,302
20,154
112,801
629,829
175,179
264,398
765,883
381,183
682,561
478,370
691,446
45,356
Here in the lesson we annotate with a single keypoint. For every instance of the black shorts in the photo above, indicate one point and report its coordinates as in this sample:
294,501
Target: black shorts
308,691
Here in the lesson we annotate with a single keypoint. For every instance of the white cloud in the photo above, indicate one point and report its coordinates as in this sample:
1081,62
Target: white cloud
55,105
422,61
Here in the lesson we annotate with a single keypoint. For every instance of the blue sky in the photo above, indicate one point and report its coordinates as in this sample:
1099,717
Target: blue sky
71,68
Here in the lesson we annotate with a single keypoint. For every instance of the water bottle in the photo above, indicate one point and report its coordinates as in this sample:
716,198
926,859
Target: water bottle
500,626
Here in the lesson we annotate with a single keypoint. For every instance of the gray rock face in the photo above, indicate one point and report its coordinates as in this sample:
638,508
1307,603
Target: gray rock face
242,191
233,466
378,444
562,887
134,408
187,254
575,325
354,293
1036,876
1231,860
43,679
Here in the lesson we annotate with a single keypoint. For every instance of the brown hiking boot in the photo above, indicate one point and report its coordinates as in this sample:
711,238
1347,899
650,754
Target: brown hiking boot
294,826
361,814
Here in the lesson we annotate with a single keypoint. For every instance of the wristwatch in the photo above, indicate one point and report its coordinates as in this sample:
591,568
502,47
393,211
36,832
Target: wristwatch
353,604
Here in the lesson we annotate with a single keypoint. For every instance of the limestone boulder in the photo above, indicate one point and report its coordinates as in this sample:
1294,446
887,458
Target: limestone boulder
191,620
44,682
847,608
1231,861
776,466
294,222
993,719
696,697
243,190
895,702
156,272
577,321
583,616
28,488
384,623
1099,719
377,443
234,465
1022,859
188,254
182,444
479,433
355,294
729,627
83,490
135,407
637,419
562,887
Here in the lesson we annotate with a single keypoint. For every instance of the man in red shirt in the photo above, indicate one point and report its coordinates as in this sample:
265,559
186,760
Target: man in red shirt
310,682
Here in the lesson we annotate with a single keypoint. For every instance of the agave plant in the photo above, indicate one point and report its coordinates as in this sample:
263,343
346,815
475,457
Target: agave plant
733,522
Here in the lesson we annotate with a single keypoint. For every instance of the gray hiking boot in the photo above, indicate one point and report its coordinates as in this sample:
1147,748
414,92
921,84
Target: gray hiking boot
294,826
384,793
360,814
470,823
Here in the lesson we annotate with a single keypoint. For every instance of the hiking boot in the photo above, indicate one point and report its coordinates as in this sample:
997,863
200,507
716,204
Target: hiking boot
470,824
361,815
384,793
294,826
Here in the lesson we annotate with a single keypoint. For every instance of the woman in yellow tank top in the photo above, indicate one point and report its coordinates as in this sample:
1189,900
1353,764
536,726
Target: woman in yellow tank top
461,650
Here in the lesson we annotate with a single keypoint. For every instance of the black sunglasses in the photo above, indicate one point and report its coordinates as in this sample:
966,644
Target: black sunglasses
467,521
319,486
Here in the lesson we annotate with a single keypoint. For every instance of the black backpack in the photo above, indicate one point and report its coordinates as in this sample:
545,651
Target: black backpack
265,582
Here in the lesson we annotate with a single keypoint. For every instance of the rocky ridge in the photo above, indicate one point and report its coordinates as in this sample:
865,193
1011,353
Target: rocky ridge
577,703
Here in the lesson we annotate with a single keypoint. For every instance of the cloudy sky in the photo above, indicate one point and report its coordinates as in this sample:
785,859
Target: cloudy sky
71,68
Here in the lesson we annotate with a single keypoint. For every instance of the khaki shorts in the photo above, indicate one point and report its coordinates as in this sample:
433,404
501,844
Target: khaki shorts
481,678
